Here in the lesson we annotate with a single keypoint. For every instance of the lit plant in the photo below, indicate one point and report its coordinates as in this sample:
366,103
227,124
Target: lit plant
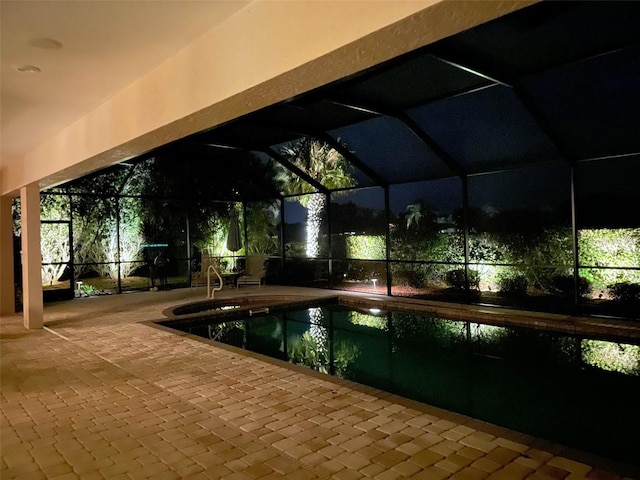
625,292
370,247
304,350
130,235
614,357
607,247
513,285
315,205
458,280
54,237
262,220
346,354
366,320
325,165
320,335
88,289
54,246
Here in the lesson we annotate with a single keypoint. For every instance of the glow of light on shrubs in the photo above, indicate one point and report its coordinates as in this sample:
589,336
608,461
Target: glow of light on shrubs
487,275
611,356
487,333
366,247
606,247
366,320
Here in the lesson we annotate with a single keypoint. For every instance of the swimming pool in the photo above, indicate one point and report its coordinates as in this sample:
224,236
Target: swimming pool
576,390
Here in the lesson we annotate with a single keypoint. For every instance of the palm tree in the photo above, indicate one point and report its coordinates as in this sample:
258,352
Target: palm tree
414,214
325,165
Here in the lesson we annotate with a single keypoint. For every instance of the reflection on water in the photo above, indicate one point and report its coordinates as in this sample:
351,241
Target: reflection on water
614,357
576,391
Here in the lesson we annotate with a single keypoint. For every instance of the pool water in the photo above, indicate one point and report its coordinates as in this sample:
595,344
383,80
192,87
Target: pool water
581,392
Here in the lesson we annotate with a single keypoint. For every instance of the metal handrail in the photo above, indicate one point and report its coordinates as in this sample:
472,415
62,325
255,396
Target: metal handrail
211,291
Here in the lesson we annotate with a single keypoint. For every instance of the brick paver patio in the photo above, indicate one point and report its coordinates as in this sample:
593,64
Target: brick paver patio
97,394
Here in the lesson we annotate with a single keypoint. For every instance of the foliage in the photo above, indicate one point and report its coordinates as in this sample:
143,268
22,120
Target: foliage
419,275
213,233
325,165
615,357
345,356
429,246
486,248
231,332
304,350
320,161
368,320
308,351
514,286
563,285
362,271
131,238
406,277
457,279
88,289
609,248
96,244
54,248
16,212
95,209
540,255
625,292
294,250
91,229
509,343
55,206
370,247
262,222
426,330
416,212
54,237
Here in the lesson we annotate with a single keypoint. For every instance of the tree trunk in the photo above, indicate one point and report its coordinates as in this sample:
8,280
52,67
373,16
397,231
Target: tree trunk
314,219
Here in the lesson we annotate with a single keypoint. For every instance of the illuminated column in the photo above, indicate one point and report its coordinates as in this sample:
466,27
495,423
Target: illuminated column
31,257
7,289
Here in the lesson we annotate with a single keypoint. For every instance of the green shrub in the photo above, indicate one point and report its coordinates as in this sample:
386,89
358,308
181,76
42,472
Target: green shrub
625,292
563,285
88,289
456,279
513,286
409,278
371,247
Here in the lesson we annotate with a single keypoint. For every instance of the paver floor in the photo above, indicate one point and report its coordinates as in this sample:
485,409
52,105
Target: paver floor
97,394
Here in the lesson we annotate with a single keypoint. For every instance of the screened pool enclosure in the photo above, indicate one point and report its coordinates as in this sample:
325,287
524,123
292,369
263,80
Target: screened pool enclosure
498,166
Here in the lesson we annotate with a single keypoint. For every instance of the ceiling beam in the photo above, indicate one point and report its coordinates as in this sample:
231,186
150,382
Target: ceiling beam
343,150
298,171
408,122
477,72
352,158
469,64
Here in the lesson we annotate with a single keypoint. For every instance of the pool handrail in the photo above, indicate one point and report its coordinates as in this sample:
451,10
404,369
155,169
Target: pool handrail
211,291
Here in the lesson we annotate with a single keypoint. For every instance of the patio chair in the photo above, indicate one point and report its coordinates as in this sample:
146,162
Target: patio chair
253,271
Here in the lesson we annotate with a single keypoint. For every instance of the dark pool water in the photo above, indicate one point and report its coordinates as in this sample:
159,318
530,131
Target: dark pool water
581,392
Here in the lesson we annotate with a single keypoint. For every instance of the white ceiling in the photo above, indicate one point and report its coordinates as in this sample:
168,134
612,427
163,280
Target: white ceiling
106,45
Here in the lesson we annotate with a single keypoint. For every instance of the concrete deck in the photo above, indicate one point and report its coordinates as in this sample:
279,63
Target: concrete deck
97,394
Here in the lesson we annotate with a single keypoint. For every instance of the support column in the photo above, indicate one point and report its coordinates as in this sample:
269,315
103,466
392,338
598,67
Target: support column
7,281
33,313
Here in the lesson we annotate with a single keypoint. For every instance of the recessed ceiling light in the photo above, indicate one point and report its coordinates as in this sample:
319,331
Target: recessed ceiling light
27,69
46,43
